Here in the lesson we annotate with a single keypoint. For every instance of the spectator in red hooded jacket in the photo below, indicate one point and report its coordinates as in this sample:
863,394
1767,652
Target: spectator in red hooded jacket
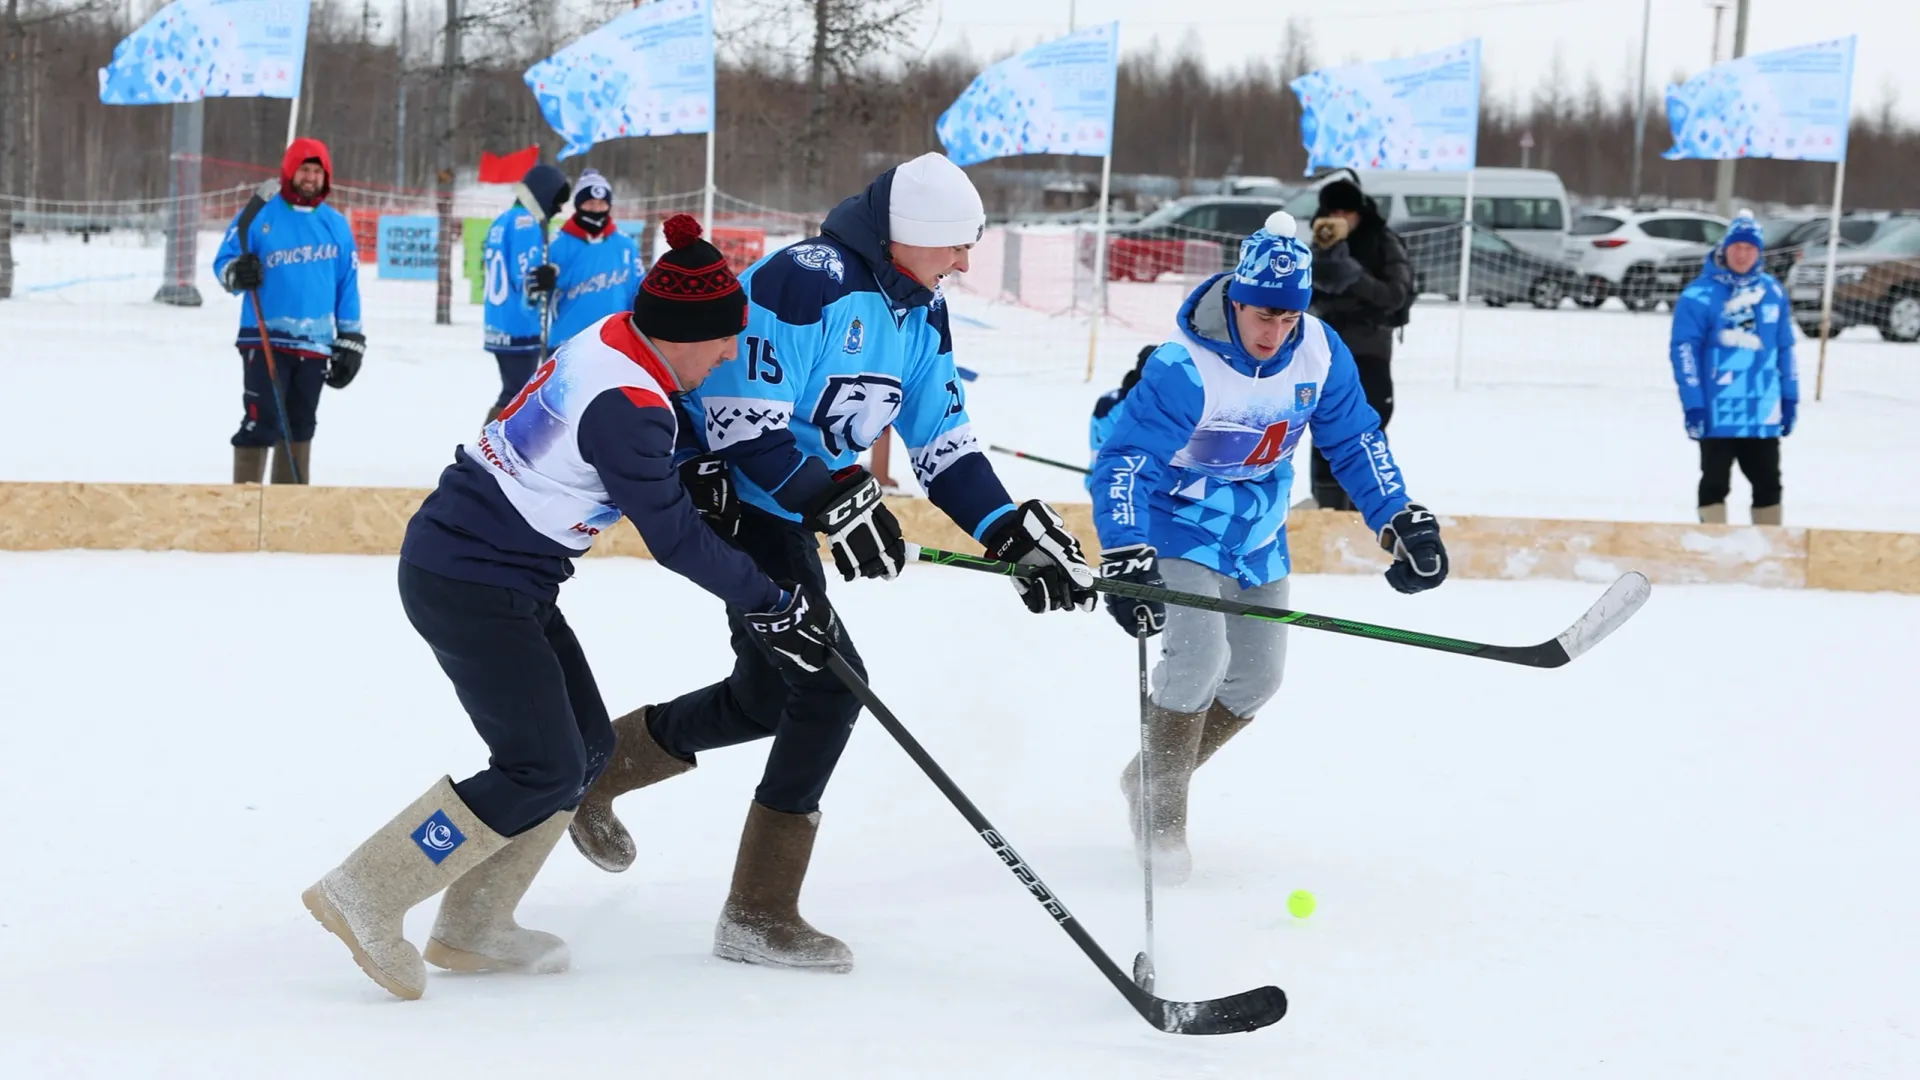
296,254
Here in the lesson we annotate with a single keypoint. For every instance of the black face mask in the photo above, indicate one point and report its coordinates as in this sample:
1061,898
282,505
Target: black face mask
592,222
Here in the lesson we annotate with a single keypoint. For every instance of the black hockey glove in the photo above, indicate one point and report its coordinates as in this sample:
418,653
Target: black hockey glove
1419,558
800,633
710,486
862,533
348,351
1136,564
1033,535
541,279
243,274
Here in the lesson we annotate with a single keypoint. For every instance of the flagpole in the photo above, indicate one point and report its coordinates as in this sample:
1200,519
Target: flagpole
1826,289
293,116
706,206
1466,264
1099,264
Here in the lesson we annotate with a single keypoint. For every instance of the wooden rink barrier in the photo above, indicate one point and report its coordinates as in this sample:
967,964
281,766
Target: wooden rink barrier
372,521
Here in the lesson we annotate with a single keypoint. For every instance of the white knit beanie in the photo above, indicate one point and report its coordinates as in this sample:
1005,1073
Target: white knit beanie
933,204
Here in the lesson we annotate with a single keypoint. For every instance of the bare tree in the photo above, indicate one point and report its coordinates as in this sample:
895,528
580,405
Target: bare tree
17,54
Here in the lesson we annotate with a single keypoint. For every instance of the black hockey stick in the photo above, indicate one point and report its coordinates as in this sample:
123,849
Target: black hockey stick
1081,469
1248,1011
260,196
1143,960
1615,606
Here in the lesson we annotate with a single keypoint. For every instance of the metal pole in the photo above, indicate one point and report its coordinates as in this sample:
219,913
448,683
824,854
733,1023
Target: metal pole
1723,179
706,206
400,113
1099,306
1640,99
1466,265
1826,290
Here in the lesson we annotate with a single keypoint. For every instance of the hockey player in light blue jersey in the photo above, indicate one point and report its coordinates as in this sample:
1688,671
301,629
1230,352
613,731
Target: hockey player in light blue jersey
1190,492
515,248
846,335
596,267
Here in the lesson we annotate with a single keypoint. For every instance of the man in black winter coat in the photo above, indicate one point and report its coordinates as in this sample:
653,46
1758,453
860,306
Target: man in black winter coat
1361,287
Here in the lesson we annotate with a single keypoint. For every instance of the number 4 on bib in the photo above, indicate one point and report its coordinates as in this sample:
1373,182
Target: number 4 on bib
1268,450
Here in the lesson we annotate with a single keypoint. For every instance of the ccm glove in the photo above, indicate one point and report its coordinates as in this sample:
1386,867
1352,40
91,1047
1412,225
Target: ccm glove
243,274
800,633
541,279
861,532
710,485
1136,564
1033,535
1696,423
1419,558
348,351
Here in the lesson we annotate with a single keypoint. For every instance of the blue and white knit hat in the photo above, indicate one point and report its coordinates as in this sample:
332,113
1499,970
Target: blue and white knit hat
1276,269
1744,230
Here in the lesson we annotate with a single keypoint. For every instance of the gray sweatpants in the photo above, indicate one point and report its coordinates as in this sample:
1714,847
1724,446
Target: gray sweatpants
1206,656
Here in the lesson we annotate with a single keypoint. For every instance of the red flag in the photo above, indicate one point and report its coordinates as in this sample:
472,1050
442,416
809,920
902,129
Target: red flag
508,168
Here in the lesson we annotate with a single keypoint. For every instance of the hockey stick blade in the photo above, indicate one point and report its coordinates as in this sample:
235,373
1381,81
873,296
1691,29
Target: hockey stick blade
1618,604
1249,1011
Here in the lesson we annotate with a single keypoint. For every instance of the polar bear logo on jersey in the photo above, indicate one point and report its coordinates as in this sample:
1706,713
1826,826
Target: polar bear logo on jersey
819,257
854,409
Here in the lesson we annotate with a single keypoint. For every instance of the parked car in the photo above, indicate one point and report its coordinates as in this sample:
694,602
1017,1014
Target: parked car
1875,284
1164,242
1789,242
1502,271
1618,251
1526,206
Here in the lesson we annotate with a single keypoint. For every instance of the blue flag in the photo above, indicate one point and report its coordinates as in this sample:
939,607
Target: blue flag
1055,98
648,72
1421,113
1793,104
194,49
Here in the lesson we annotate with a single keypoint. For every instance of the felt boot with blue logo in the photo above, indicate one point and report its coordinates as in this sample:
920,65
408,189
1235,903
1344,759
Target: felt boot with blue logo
428,847
475,930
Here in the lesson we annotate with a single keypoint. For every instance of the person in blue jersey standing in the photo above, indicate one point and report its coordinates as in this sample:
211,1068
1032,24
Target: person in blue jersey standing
847,334
593,268
1190,493
1732,353
514,250
589,439
299,256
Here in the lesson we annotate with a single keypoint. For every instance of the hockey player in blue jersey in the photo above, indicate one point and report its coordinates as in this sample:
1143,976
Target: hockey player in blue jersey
515,249
846,334
593,268
299,256
1732,353
1106,409
588,440
1190,492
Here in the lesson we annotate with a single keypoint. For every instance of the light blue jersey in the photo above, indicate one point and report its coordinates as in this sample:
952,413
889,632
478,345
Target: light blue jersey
512,250
839,346
598,277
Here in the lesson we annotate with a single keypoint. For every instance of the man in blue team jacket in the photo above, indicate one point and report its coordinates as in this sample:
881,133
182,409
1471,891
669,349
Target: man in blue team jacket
300,259
515,248
1190,492
1732,353
594,268
846,335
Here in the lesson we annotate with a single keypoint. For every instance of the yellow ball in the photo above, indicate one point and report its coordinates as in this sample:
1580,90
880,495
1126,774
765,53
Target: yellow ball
1300,904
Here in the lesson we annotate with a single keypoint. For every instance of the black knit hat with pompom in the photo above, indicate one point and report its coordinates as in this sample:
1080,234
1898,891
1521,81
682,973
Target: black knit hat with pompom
690,294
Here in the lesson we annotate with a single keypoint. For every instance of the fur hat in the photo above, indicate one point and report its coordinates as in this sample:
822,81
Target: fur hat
1341,195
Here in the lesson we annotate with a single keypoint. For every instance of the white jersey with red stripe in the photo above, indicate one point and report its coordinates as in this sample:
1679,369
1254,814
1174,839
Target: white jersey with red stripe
532,451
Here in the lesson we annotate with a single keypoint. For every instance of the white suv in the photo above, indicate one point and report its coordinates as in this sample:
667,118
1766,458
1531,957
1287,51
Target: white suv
1616,250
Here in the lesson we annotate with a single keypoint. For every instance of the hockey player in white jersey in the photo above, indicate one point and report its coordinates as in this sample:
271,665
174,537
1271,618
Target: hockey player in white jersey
1190,493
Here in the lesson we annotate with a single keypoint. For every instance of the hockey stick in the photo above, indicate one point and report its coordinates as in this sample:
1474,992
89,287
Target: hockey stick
260,195
1615,606
1247,1011
1143,960
1081,469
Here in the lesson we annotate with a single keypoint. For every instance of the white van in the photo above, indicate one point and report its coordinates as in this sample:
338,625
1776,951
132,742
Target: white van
1527,206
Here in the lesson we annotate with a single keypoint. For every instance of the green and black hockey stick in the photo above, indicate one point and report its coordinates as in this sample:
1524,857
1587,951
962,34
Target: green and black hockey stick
1615,606
1069,466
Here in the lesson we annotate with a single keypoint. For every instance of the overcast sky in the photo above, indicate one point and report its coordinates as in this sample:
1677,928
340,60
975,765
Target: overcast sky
1519,36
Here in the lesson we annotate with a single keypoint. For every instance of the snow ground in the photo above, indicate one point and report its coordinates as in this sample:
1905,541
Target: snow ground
1565,414
1678,857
